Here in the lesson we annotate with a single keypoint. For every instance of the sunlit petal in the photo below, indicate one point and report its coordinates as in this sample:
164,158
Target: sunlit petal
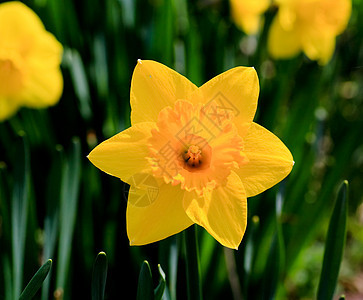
163,217
124,154
153,87
269,161
222,212
235,91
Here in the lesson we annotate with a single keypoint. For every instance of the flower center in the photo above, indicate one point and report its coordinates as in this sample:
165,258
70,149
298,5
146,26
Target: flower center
192,147
193,157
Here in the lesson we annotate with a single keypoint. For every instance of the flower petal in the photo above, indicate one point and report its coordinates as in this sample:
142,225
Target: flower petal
319,47
7,108
269,161
42,91
235,90
283,43
124,154
164,217
19,25
153,87
222,212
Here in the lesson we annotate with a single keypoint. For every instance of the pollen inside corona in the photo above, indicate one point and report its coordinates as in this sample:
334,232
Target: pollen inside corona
193,156
195,146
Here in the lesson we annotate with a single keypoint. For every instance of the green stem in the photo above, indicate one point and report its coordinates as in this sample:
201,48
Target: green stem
193,267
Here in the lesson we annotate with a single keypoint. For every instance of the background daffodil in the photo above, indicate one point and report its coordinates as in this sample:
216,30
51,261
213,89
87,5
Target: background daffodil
247,14
310,26
202,148
29,61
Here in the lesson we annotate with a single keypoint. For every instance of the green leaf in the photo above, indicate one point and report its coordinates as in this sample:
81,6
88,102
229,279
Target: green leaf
145,287
159,291
276,258
334,245
36,282
193,265
99,276
68,209
19,212
51,221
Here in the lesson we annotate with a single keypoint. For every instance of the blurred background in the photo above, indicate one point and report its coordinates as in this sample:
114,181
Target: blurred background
73,211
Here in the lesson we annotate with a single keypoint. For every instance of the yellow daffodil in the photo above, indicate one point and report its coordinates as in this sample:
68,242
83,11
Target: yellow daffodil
247,14
29,61
310,26
197,151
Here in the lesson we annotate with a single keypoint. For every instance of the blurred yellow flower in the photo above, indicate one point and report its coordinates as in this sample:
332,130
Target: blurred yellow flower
247,14
308,25
197,151
29,61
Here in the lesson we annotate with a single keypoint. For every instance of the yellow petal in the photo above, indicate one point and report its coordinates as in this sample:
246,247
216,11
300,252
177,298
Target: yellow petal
164,216
124,154
34,52
269,161
283,43
247,14
42,90
235,90
222,212
153,87
19,25
7,108
319,47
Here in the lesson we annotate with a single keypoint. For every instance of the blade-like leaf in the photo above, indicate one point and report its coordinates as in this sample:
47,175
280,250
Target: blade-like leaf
36,282
334,245
193,266
145,287
99,276
51,221
19,212
68,209
159,291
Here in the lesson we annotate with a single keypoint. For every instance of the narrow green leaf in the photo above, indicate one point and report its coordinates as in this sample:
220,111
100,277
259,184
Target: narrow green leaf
73,61
276,258
193,266
99,276
68,209
19,212
159,291
36,282
334,245
7,278
145,287
51,221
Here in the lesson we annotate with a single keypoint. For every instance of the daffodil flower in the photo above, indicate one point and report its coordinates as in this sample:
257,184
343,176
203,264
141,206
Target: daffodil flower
29,61
310,26
246,14
199,151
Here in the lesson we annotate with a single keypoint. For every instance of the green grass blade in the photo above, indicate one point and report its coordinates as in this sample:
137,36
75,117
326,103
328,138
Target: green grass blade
7,278
193,265
36,282
145,287
159,291
19,212
51,221
73,61
276,259
334,245
99,277
68,208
